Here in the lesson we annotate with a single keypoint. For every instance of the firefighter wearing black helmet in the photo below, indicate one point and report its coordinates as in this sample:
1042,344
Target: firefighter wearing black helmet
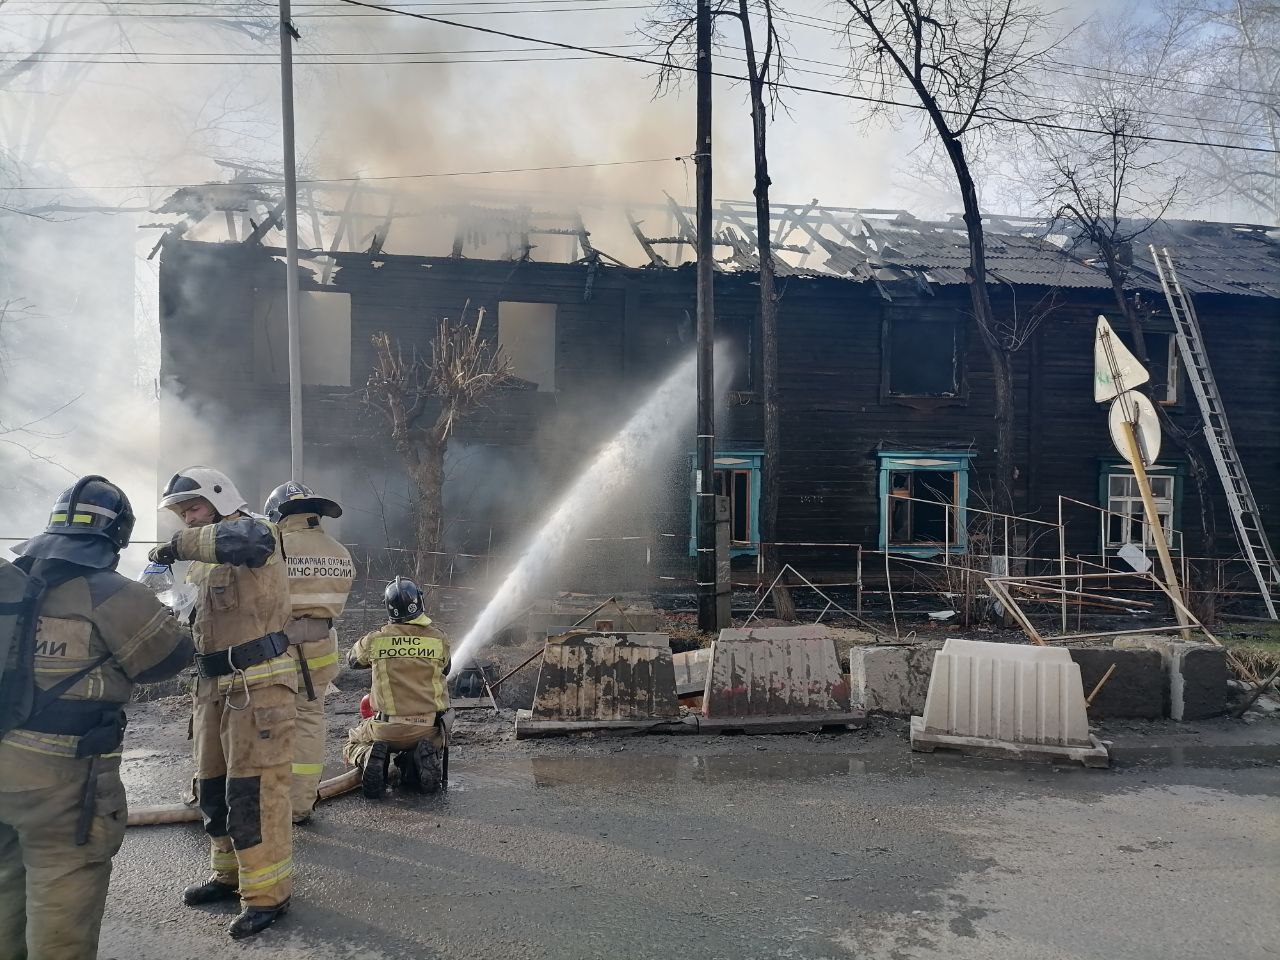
63,687
409,657
243,706
320,577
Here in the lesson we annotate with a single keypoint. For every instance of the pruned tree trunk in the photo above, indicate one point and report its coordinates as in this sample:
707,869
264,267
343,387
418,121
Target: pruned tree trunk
462,371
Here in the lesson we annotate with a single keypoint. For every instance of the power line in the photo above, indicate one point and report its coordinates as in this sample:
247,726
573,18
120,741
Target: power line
272,182
1223,127
463,57
1023,121
798,19
1049,64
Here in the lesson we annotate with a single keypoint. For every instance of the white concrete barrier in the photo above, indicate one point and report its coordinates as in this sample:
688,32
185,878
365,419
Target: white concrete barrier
1006,699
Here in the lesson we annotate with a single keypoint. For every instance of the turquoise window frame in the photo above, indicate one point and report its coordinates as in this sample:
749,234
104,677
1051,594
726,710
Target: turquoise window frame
752,460
926,461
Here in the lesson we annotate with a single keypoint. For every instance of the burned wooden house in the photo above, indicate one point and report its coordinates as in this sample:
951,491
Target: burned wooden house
885,390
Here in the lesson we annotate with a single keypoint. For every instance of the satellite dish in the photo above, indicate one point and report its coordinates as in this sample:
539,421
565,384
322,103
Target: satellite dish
1137,409
1115,369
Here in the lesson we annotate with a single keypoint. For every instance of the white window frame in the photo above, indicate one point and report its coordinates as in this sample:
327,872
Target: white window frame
1124,506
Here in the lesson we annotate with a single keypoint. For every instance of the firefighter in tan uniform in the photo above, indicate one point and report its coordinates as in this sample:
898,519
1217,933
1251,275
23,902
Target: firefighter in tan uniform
320,577
70,669
243,709
410,660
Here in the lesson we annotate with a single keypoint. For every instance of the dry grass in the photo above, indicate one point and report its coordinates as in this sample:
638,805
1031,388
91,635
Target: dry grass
1256,644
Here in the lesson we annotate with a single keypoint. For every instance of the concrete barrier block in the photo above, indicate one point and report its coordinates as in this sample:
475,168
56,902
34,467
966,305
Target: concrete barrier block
588,676
1006,699
791,676
1136,689
1195,673
890,679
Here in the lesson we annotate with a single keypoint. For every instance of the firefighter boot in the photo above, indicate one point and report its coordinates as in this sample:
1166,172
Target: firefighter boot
429,766
211,891
373,782
256,919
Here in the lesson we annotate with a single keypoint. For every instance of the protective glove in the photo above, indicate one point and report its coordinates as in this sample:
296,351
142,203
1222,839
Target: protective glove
165,553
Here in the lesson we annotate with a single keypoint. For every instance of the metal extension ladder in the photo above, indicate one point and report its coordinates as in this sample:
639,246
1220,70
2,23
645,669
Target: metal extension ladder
1244,509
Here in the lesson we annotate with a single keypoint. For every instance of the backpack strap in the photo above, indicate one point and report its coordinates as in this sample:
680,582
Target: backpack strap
38,587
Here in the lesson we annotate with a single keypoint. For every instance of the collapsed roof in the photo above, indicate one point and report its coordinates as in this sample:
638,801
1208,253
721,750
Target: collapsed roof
881,246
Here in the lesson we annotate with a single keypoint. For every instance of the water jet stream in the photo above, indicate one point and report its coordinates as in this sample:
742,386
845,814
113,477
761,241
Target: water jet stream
635,449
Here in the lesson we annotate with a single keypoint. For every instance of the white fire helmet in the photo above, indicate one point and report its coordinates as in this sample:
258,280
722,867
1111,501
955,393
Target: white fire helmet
214,485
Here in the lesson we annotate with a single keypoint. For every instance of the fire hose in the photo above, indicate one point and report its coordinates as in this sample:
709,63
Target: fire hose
188,813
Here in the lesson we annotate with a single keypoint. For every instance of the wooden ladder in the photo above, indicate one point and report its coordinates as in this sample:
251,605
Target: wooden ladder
1244,508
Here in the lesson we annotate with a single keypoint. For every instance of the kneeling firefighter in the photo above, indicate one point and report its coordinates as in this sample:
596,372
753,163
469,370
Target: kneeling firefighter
410,659
320,577
75,636
243,707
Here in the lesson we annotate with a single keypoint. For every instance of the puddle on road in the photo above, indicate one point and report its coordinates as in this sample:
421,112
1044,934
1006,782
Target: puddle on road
1196,755
710,768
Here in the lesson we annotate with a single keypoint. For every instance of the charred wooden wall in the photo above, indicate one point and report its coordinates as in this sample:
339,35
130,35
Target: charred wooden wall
619,330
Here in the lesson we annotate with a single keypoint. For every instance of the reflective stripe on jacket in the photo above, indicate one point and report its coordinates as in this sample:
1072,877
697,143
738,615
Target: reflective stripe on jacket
408,661
321,572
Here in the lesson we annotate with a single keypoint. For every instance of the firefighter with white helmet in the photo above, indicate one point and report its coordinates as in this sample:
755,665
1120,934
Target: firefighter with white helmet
75,636
320,578
244,703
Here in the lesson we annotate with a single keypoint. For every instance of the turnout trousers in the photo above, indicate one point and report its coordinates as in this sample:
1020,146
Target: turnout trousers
312,729
52,892
398,736
244,760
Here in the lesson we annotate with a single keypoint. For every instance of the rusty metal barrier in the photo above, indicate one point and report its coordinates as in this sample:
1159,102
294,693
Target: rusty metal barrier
592,680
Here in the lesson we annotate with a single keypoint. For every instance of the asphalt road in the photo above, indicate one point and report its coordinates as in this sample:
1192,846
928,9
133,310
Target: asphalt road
800,847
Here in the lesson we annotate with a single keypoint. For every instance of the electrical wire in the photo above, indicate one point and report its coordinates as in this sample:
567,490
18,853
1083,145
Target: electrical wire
797,19
777,85
272,182
457,57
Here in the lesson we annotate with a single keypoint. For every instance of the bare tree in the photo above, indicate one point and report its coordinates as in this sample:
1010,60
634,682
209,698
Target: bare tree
1233,63
968,63
423,399
1108,190
762,48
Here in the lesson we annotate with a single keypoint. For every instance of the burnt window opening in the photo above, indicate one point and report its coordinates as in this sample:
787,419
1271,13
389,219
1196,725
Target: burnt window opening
527,335
741,352
324,334
1165,366
923,354
1164,363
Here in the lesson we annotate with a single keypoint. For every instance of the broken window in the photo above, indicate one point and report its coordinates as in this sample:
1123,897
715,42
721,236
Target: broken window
923,495
922,353
1165,367
1164,363
1125,520
737,476
324,335
527,335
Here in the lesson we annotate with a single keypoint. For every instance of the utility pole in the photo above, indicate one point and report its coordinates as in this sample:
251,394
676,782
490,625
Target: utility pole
707,619
287,35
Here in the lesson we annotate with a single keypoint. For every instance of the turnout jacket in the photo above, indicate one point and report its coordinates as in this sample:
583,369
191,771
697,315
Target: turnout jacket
81,621
409,662
238,569
320,569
